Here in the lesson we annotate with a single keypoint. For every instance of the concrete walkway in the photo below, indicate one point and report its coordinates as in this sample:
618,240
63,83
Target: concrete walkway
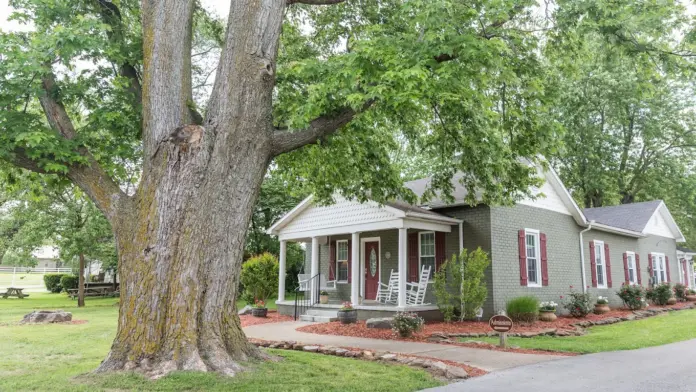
481,358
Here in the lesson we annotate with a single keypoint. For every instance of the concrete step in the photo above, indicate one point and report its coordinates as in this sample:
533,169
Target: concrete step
317,319
320,315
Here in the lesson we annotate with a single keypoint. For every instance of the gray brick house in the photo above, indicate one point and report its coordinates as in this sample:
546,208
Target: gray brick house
541,246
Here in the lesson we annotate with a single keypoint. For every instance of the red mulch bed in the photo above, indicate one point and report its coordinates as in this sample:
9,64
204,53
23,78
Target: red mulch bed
564,322
272,317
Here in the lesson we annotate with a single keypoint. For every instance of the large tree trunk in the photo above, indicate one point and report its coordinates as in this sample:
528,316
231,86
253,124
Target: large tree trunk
81,282
181,241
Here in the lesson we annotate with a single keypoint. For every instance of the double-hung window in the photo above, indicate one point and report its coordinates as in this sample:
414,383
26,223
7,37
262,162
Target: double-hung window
533,251
342,261
600,264
659,268
426,251
632,270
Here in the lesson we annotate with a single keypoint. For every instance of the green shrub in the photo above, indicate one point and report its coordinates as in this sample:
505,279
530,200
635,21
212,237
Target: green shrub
460,285
523,309
69,282
680,291
633,296
578,304
260,278
52,282
405,324
660,294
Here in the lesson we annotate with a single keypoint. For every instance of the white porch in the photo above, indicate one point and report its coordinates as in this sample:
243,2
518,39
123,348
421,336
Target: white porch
355,224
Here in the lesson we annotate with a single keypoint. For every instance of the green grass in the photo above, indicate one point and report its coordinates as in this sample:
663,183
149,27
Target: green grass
668,328
61,357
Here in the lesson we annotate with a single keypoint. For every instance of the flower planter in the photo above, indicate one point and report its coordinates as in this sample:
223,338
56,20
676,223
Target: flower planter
348,316
259,312
601,308
324,299
547,316
672,301
691,297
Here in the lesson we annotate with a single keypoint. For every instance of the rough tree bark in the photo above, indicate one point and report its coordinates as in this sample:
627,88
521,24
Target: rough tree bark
181,237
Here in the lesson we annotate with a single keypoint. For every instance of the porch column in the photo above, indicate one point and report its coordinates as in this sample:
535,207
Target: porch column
314,269
403,266
355,269
281,271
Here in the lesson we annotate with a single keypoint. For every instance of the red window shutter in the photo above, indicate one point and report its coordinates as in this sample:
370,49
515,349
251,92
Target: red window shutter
638,271
626,276
593,264
667,264
332,261
685,272
650,265
413,257
440,252
522,247
607,264
350,258
544,261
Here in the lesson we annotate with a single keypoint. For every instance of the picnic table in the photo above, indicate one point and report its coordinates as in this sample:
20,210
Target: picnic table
14,292
91,292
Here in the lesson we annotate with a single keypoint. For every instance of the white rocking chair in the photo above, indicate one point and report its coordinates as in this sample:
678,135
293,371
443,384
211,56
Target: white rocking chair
415,293
389,293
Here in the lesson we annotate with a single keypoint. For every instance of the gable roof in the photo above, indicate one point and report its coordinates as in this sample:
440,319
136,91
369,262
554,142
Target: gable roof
552,184
635,217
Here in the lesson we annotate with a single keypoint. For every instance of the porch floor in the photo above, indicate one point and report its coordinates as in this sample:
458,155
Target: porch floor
367,305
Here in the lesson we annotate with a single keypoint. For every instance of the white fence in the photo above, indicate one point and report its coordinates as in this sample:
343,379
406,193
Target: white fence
32,270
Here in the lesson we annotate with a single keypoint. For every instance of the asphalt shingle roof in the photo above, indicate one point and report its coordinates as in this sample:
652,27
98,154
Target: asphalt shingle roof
632,217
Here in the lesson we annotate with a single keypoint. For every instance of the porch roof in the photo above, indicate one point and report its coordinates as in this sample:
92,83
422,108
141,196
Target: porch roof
309,219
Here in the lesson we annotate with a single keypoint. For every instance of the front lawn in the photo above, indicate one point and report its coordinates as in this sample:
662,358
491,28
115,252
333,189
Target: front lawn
59,358
654,331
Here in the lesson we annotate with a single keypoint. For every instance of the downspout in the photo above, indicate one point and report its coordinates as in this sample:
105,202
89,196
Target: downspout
582,257
461,237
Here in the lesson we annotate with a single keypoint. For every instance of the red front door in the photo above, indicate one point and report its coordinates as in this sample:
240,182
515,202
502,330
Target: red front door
371,269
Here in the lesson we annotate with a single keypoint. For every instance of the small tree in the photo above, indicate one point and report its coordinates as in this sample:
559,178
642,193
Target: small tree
459,284
260,277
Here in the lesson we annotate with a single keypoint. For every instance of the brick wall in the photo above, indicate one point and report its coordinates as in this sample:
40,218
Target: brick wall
563,253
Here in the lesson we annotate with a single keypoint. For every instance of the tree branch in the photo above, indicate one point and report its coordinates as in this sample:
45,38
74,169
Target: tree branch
111,15
55,111
283,141
314,2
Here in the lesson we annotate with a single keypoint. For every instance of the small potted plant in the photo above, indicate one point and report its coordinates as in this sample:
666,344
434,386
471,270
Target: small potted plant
691,296
547,311
602,305
347,314
324,297
259,309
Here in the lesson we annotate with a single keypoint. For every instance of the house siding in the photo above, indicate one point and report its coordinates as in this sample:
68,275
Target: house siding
658,244
563,253
618,245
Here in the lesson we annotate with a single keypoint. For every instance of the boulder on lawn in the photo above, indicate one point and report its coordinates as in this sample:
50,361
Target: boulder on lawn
380,323
47,317
244,310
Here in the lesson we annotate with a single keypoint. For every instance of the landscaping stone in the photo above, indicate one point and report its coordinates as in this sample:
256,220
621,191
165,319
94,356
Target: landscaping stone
380,323
456,373
47,317
341,352
311,349
388,357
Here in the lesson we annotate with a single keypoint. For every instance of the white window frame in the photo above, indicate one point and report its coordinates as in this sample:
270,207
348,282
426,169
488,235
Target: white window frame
599,250
420,254
659,267
338,261
631,263
537,246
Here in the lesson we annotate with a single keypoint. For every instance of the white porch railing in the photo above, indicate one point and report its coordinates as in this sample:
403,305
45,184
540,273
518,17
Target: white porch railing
34,270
